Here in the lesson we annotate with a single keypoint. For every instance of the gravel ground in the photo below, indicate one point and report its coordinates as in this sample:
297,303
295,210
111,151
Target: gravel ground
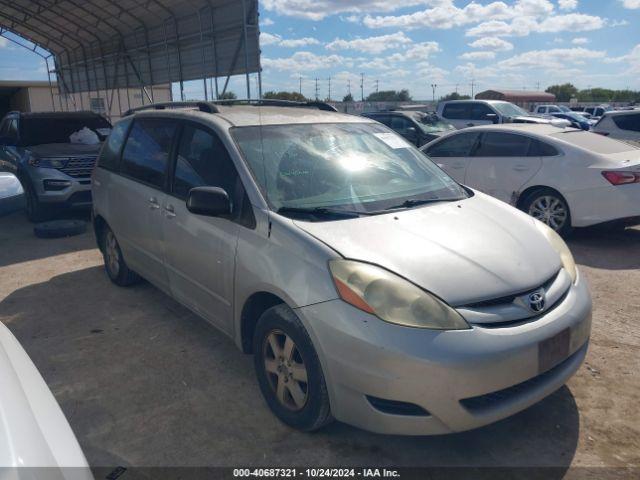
144,382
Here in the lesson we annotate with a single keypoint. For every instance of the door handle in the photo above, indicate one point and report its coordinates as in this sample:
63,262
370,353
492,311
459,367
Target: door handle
457,165
470,125
153,203
521,168
169,211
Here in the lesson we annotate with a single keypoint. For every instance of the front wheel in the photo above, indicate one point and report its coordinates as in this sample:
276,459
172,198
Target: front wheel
288,370
550,208
35,209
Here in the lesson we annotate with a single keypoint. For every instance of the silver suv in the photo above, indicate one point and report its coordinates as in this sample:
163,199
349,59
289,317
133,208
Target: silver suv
370,286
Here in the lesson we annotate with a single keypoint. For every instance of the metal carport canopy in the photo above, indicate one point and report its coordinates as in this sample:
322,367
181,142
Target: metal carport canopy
110,44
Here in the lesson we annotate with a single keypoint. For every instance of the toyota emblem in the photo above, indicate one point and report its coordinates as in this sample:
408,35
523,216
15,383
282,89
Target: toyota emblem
537,301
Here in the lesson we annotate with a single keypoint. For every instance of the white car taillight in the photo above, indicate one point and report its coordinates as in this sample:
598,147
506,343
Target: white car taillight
621,177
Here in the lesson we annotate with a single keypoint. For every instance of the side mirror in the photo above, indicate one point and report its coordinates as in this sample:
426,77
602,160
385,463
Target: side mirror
209,201
493,117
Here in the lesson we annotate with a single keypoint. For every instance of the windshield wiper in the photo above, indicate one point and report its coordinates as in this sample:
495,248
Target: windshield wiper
323,211
416,203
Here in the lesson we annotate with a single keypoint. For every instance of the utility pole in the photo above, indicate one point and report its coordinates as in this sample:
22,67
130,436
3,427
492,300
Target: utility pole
362,86
433,88
329,88
457,87
377,84
349,86
473,85
538,86
300,88
316,88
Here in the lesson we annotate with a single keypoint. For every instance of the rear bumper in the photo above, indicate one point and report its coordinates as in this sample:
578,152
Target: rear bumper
606,204
463,379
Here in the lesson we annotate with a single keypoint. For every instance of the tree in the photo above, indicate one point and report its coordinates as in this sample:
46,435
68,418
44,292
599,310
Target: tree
389,96
348,98
563,92
228,96
291,96
455,96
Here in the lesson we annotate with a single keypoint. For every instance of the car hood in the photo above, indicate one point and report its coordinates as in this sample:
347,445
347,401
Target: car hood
529,119
64,149
465,252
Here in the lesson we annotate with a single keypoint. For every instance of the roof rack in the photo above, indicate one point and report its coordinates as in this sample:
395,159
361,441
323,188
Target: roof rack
211,106
202,106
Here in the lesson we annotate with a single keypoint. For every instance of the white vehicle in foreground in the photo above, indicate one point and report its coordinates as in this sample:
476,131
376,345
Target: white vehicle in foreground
562,176
34,433
620,124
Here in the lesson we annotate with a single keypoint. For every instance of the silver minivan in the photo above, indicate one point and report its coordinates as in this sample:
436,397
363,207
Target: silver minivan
369,286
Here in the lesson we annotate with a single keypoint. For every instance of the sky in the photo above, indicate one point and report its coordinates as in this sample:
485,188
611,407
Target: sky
416,44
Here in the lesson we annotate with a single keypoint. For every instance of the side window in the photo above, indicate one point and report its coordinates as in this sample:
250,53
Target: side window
627,122
459,145
203,161
554,110
110,154
457,111
479,111
541,149
9,128
146,152
494,144
383,119
540,110
400,124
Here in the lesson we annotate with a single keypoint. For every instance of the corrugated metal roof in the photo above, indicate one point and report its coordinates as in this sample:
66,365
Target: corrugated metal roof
106,44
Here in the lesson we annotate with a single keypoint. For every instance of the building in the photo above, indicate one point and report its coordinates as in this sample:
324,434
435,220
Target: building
523,98
36,96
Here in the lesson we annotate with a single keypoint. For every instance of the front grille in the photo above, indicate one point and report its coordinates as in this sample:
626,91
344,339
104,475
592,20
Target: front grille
497,399
79,167
395,407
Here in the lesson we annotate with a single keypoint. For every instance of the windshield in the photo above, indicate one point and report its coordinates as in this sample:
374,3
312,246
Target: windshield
433,124
41,130
356,167
507,109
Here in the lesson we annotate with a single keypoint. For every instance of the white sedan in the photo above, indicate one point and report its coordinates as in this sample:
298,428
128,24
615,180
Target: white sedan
562,176
36,440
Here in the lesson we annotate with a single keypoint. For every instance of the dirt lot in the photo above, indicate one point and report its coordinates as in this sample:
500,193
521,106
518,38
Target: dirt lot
144,382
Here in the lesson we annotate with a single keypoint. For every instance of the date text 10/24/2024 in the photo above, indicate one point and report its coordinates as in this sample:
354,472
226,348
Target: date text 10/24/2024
316,473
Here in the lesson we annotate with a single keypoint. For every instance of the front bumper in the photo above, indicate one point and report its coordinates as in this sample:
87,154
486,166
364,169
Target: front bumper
362,356
76,194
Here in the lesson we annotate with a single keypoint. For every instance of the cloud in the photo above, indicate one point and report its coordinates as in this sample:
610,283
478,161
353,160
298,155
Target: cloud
273,39
371,44
306,61
478,56
493,44
568,4
267,22
580,41
319,9
523,26
631,4
556,58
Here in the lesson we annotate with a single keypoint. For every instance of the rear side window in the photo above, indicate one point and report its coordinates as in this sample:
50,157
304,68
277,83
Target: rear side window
497,144
457,111
627,122
541,149
203,161
459,145
110,154
146,153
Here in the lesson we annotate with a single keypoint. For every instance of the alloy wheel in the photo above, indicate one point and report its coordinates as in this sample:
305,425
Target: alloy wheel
112,255
286,371
549,210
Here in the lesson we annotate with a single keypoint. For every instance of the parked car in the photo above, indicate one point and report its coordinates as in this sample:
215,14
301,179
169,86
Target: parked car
35,436
575,120
549,109
54,172
11,193
621,125
469,113
370,286
418,128
563,177
597,112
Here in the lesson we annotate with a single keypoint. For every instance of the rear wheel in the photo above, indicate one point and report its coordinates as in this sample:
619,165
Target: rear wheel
114,263
288,370
550,208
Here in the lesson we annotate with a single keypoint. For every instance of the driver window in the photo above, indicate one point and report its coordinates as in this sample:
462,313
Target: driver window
479,111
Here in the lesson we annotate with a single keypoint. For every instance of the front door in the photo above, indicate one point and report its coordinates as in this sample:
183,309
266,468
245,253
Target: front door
501,163
201,251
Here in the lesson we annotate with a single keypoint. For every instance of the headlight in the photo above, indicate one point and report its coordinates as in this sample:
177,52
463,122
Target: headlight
47,162
391,298
560,246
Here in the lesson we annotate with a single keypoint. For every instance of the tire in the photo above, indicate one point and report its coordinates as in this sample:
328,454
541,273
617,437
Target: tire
114,263
36,211
60,228
549,207
283,396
